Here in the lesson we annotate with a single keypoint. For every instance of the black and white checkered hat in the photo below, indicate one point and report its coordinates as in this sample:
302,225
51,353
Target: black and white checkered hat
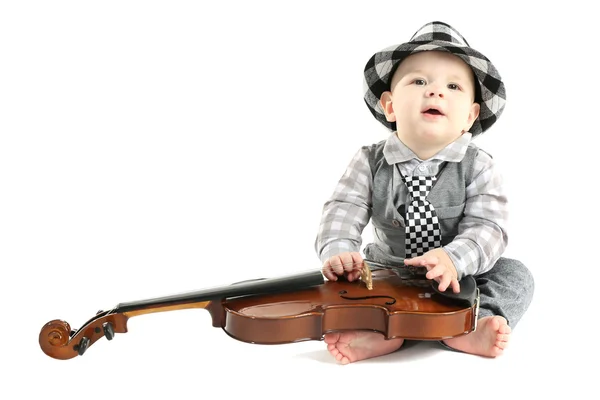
491,94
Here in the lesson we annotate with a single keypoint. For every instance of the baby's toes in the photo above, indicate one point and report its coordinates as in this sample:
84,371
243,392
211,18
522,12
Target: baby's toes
331,338
502,337
504,329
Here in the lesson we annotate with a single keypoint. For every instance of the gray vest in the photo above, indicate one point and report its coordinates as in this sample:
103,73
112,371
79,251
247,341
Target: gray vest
390,200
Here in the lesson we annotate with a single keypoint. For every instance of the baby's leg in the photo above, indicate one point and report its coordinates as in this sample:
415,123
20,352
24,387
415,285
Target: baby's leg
489,339
505,294
353,346
506,290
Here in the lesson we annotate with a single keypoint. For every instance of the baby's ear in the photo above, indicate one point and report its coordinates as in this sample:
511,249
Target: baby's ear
386,104
473,114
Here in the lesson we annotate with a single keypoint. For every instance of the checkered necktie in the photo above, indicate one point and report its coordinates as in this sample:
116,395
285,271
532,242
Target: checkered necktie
422,226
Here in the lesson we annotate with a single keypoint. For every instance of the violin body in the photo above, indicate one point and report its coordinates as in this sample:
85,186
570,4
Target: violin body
395,307
293,309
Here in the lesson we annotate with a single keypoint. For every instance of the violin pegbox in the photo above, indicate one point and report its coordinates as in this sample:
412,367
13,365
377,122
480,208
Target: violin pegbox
107,330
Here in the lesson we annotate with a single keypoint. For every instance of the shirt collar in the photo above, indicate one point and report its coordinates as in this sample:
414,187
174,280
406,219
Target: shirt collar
395,151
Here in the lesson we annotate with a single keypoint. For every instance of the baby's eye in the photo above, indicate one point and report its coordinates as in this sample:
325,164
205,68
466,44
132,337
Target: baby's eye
453,86
419,82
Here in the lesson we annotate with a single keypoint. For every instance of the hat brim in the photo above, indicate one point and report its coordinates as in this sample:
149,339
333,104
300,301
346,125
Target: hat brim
381,66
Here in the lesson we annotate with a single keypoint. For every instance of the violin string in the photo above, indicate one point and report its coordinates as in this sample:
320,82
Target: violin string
353,263
374,264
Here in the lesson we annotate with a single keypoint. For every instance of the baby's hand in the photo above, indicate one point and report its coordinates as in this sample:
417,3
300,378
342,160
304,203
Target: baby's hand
439,267
348,264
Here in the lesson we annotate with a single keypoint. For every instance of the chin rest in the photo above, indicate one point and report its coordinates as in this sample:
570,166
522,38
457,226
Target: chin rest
468,291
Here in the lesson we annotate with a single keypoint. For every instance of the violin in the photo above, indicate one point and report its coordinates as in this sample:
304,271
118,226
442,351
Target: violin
396,301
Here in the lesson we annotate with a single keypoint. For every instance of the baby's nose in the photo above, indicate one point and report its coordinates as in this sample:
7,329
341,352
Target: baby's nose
435,93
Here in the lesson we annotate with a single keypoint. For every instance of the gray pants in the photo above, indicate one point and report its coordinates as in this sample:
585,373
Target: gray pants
505,290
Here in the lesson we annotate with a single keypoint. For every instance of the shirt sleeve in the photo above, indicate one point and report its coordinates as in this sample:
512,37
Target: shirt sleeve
482,236
347,211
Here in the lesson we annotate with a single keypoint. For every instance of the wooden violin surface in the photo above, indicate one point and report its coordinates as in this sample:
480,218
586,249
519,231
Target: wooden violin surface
395,307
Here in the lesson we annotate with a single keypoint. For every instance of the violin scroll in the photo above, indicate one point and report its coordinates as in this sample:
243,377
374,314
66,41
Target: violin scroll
58,341
55,333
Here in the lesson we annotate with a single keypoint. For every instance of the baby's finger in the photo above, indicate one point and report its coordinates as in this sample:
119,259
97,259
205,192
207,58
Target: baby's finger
357,266
455,286
444,282
435,272
413,261
347,262
352,276
357,260
424,261
337,265
328,272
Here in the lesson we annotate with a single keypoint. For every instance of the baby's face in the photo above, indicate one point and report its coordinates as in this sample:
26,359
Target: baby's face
432,98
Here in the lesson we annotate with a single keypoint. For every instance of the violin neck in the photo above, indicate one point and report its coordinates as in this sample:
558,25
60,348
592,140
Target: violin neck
203,298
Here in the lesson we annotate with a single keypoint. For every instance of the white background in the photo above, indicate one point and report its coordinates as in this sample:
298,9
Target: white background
151,148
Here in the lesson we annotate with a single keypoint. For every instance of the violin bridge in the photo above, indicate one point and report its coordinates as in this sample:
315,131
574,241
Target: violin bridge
365,276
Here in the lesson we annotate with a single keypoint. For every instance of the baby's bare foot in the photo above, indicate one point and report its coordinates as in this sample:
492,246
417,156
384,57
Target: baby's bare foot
489,339
347,347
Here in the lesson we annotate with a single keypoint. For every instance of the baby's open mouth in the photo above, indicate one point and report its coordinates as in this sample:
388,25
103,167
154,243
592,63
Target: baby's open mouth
432,111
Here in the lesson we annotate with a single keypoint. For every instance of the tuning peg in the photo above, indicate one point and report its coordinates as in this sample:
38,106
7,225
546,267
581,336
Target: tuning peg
109,332
83,345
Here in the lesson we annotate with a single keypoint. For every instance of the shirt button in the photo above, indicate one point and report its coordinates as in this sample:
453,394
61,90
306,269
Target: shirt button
422,167
395,223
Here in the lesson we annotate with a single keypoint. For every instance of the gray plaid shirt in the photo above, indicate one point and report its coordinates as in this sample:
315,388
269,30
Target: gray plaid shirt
482,235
